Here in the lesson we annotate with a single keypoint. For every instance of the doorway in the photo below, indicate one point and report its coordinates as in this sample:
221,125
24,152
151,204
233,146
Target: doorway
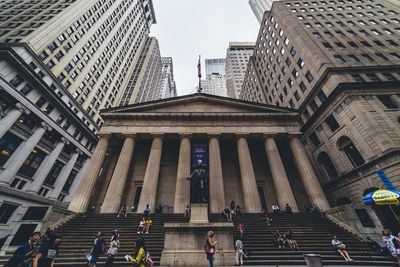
261,195
136,197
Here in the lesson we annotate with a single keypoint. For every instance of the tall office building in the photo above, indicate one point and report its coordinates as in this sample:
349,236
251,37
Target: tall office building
215,66
338,63
259,7
237,58
145,79
215,85
168,86
90,46
215,82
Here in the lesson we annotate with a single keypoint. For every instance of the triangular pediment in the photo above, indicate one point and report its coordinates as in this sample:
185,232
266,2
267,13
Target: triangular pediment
198,103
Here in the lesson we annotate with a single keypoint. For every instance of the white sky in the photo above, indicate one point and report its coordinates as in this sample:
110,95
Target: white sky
186,29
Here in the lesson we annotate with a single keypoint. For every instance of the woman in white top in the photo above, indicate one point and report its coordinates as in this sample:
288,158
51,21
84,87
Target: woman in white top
112,251
141,226
341,248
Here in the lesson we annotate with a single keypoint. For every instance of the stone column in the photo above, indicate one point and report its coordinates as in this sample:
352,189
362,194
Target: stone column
112,200
81,197
45,167
249,185
150,182
216,182
284,192
76,182
182,189
64,174
19,156
11,117
307,174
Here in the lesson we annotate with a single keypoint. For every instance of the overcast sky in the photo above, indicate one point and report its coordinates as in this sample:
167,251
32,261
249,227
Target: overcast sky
186,29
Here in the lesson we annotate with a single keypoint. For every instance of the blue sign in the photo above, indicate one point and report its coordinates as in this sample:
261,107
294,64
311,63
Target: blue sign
200,154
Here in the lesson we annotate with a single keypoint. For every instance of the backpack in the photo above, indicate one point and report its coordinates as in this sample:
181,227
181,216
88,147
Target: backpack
102,246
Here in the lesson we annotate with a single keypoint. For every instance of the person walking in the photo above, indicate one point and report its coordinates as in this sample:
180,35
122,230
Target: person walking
239,252
24,255
210,247
99,247
392,244
240,227
139,258
48,252
112,251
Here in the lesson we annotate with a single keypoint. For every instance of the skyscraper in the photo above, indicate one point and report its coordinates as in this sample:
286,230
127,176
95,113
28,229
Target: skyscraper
259,7
338,63
145,79
90,46
168,86
215,66
237,57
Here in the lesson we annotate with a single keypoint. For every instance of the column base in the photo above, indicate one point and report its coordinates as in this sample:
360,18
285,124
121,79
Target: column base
199,213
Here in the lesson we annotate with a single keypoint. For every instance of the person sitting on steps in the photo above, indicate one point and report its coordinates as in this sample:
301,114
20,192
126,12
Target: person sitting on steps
341,248
141,226
288,209
278,239
187,211
292,242
147,211
275,208
238,210
227,214
148,225
123,211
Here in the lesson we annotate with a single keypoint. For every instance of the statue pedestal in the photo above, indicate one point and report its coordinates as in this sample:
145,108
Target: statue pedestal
199,213
184,244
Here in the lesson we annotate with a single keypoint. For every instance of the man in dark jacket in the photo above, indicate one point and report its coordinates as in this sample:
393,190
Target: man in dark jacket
25,253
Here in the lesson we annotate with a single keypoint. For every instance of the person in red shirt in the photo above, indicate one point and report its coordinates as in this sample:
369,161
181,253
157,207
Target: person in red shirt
240,227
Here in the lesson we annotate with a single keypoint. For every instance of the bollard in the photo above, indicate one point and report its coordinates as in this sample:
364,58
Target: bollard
313,260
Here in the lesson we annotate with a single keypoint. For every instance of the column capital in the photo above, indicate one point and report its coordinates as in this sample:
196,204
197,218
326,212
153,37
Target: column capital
46,126
133,136
214,135
241,135
185,135
65,140
22,108
77,150
106,136
294,135
158,135
269,135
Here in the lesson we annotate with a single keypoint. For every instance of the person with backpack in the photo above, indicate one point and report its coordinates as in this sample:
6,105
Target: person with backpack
25,254
239,252
392,243
112,251
139,257
99,248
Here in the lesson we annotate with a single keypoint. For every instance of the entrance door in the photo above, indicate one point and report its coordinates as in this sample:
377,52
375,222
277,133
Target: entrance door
136,197
261,195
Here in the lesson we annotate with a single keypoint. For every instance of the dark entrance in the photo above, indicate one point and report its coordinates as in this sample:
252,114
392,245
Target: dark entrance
23,233
136,197
261,195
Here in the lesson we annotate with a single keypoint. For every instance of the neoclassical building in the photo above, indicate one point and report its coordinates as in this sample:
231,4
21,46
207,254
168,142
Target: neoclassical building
252,154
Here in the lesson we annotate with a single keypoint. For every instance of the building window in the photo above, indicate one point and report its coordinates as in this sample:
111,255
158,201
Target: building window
332,123
309,77
35,214
340,59
325,161
372,77
32,163
53,174
303,87
389,77
26,89
387,101
347,146
357,78
17,80
69,182
314,139
8,144
40,103
6,211
322,97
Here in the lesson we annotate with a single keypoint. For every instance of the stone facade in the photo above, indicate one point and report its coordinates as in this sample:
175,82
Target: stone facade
160,134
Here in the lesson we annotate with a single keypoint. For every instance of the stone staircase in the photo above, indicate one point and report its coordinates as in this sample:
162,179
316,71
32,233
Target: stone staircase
79,233
313,235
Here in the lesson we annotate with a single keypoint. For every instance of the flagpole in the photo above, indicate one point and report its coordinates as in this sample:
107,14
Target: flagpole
199,74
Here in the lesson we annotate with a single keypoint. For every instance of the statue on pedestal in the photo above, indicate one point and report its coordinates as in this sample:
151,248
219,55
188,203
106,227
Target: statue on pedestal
199,184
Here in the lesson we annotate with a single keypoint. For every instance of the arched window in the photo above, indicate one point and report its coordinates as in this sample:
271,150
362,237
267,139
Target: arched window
325,161
342,201
347,146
